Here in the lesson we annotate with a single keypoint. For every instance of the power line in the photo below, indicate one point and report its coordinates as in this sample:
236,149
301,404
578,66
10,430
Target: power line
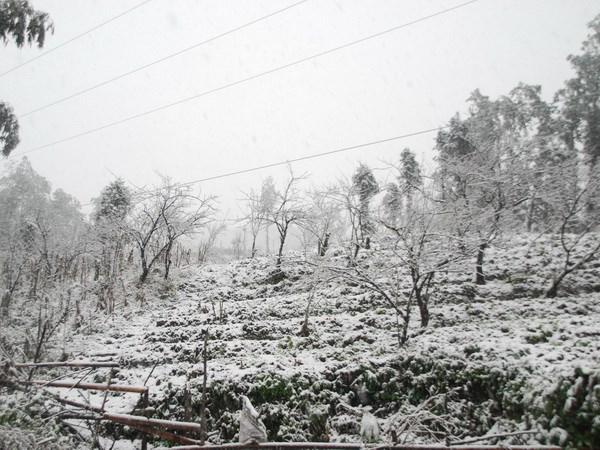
244,80
75,38
313,156
91,88
316,155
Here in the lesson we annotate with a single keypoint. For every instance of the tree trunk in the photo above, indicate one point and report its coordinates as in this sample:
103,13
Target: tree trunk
280,252
479,278
168,260
423,308
530,210
267,249
406,320
145,269
323,246
253,251
553,290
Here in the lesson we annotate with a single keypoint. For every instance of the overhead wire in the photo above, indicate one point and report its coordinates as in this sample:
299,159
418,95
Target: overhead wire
247,79
165,58
313,156
75,38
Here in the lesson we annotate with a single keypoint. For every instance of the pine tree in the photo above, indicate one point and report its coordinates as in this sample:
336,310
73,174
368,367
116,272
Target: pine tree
114,202
410,175
366,187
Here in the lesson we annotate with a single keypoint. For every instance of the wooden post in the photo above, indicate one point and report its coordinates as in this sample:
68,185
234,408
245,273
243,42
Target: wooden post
203,404
144,404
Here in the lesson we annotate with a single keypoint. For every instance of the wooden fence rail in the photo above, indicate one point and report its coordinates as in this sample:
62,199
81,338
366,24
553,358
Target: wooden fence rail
127,419
70,364
91,386
354,446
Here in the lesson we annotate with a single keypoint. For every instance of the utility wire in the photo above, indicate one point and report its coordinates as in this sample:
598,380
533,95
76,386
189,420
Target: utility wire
245,80
313,156
172,55
316,155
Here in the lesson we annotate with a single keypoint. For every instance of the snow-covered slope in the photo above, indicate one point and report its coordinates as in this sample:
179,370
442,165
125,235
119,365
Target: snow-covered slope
504,360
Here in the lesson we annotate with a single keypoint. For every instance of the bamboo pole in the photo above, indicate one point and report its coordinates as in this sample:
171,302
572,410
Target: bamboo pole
91,386
127,419
69,364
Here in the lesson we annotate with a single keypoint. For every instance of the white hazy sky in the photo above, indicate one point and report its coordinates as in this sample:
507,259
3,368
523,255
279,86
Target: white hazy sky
408,80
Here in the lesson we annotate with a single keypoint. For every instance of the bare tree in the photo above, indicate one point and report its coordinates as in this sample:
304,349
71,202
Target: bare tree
209,238
323,217
287,209
573,215
163,215
253,217
238,243
417,246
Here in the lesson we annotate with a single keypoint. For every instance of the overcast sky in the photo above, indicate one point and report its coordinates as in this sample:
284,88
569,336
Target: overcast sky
409,80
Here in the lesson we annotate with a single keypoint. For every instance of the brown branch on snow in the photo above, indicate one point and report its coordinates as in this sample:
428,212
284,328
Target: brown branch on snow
494,436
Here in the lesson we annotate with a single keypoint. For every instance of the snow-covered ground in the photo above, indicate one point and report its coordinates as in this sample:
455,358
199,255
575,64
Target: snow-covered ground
505,360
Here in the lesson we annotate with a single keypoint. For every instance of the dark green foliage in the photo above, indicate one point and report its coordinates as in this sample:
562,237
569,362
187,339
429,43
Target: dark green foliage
9,129
366,187
364,182
19,21
410,172
573,405
114,203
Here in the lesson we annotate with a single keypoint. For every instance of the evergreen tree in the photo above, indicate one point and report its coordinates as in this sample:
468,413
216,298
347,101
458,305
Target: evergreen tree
581,97
392,203
114,202
366,187
410,175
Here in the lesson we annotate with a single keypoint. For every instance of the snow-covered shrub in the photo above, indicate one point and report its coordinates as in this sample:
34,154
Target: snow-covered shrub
570,410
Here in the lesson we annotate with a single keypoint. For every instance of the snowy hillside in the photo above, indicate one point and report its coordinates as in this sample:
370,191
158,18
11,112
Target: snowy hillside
503,360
